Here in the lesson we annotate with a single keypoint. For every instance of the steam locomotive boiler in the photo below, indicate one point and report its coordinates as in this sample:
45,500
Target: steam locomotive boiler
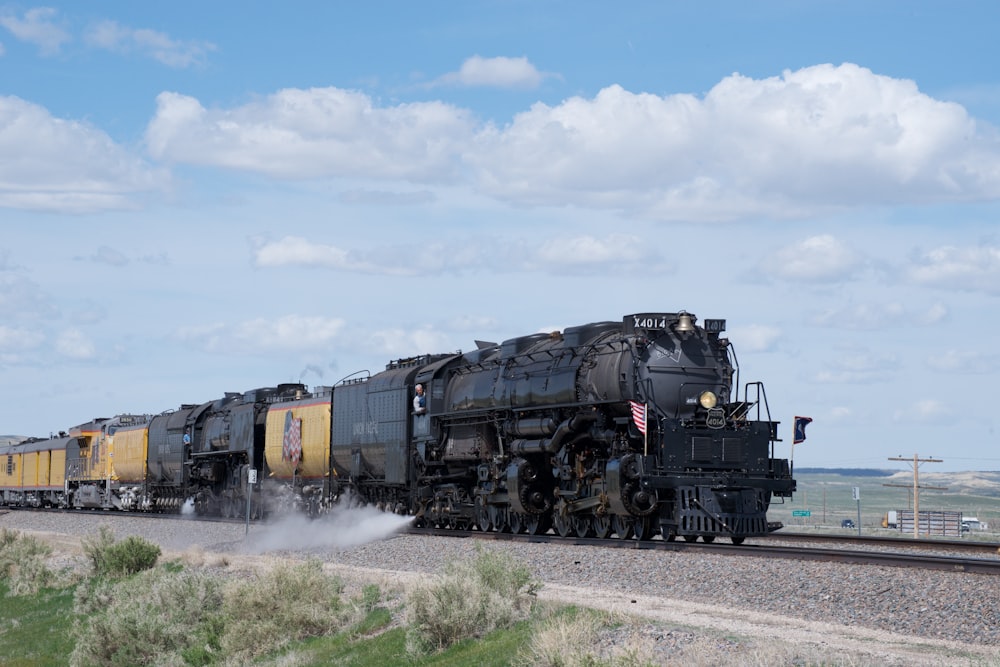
627,428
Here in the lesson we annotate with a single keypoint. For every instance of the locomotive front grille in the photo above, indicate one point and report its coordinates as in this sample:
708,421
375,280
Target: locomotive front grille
732,450
701,448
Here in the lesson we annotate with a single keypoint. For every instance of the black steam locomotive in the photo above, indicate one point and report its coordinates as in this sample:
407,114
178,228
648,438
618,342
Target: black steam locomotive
631,428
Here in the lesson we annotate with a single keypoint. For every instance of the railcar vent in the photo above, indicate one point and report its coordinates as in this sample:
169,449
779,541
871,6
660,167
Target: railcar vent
732,450
701,449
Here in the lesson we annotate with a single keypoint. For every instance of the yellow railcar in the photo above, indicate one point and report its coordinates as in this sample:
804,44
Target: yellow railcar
33,472
297,451
94,478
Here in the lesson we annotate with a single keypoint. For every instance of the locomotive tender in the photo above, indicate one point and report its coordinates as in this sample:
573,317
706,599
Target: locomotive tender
631,428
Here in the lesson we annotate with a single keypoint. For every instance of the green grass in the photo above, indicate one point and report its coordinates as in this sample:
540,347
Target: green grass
34,629
496,649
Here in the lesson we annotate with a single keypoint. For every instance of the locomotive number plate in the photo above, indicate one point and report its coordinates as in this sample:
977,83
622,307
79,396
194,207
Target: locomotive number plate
716,418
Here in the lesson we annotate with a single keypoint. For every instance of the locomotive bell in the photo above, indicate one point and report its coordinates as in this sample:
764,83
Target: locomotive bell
685,323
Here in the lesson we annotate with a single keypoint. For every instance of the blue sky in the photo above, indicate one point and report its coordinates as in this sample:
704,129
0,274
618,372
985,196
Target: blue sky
206,197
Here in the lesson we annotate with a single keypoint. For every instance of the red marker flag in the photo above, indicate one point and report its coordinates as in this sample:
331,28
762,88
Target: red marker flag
639,416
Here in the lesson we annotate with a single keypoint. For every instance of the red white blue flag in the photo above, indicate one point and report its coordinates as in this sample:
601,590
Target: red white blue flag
291,441
639,416
800,429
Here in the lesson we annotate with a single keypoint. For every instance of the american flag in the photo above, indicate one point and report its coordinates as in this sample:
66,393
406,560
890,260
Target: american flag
291,443
639,416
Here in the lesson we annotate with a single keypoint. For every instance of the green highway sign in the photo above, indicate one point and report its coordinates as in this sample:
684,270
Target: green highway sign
801,513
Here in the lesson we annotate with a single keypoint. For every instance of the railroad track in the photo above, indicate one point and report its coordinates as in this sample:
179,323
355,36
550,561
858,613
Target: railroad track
890,542
989,566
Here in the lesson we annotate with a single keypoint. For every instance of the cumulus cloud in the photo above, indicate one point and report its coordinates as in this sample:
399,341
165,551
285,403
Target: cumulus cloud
297,251
260,335
924,411
583,253
875,316
53,164
974,269
964,361
23,299
756,338
808,142
562,255
319,132
858,366
74,344
821,258
386,198
499,72
113,36
15,342
39,26
815,139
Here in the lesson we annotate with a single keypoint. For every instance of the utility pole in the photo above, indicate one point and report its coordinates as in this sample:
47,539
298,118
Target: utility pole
916,488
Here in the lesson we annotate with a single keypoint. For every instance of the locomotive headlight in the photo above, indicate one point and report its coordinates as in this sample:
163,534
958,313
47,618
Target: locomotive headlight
708,400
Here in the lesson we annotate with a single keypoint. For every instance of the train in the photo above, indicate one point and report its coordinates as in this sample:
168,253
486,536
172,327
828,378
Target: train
625,429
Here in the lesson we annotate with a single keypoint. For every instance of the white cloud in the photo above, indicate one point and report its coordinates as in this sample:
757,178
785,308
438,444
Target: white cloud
755,338
809,142
21,298
52,164
858,366
319,132
499,72
840,414
821,258
975,269
875,316
261,335
112,36
924,411
108,255
812,140
403,343
562,255
38,27
74,344
16,338
297,251
964,361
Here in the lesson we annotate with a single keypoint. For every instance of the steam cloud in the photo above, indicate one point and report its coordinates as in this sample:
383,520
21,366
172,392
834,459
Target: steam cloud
342,528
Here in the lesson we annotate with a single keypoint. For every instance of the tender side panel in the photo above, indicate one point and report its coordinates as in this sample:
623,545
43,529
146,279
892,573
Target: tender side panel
130,449
313,426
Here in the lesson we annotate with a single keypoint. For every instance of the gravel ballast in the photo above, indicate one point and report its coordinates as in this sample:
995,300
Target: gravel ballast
898,615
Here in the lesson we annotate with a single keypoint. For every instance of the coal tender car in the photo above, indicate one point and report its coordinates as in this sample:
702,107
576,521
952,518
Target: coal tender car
630,428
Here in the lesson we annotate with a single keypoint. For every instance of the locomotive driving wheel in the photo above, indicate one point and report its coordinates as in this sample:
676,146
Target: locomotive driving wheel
537,524
483,519
623,526
582,526
562,524
498,518
644,528
602,526
516,523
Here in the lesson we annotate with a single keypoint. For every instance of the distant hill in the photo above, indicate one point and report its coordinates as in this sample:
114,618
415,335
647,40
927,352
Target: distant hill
970,483
846,472
11,439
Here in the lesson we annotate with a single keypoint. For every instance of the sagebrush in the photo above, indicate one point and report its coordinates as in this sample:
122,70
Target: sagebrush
111,558
471,599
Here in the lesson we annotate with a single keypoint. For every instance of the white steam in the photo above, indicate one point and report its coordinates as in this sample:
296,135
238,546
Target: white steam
342,528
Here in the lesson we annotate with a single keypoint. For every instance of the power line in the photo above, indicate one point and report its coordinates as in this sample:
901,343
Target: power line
915,464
